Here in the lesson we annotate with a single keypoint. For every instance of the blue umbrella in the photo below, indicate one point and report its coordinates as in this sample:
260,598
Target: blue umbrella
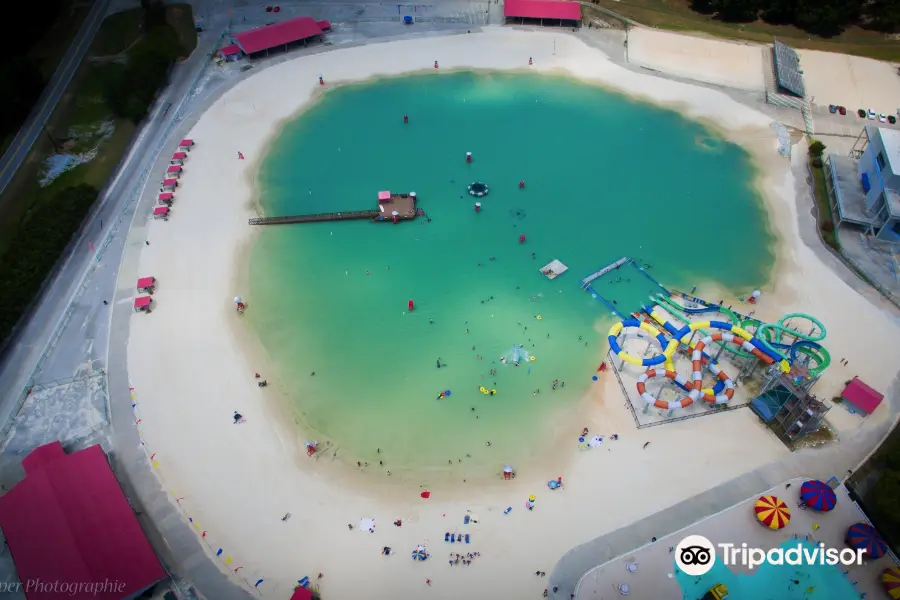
863,536
817,495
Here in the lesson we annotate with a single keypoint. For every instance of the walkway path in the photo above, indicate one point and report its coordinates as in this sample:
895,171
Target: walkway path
17,152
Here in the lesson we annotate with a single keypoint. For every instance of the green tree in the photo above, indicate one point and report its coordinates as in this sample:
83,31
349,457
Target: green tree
816,148
886,494
704,7
779,12
884,15
738,11
826,18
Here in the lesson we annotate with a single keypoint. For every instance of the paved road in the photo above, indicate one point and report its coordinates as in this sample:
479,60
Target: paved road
17,152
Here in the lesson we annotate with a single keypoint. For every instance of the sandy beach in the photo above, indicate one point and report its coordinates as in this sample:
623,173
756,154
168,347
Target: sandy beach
191,366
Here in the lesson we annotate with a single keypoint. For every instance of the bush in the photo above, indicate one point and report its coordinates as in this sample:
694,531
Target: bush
816,148
35,248
861,113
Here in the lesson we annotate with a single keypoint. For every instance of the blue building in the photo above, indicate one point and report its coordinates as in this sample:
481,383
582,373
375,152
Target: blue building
864,188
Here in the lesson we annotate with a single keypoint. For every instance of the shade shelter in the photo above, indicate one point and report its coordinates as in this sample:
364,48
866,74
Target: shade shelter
174,171
863,536
146,284
302,593
185,145
161,212
69,524
890,581
542,12
169,185
166,198
859,394
178,158
772,512
279,35
142,303
818,495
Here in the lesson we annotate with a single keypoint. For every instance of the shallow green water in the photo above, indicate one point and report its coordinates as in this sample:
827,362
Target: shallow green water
605,177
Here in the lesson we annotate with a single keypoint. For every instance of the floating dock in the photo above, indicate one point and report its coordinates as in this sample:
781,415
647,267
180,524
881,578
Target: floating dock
610,267
553,269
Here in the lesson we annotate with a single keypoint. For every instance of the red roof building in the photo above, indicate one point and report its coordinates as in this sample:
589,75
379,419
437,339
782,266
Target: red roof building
302,593
277,34
69,524
860,395
542,10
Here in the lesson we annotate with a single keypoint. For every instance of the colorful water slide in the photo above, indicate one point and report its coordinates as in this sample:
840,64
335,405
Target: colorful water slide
668,347
724,389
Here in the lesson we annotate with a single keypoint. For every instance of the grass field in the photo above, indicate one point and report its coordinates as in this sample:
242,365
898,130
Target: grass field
676,15
81,111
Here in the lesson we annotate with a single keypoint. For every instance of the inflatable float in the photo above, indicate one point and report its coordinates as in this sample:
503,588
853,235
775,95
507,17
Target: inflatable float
478,189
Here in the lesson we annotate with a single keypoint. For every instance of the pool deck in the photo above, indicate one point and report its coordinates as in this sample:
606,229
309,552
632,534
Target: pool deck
737,525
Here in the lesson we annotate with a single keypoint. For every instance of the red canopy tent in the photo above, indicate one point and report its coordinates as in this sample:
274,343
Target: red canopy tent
174,170
302,593
179,156
69,524
186,144
860,395
145,283
165,198
161,212
142,303
542,9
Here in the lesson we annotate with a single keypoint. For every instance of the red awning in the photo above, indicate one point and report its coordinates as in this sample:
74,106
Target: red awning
179,156
69,524
542,9
860,395
277,34
142,302
161,210
324,25
174,169
145,282
186,143
170,182
230,50
301,593
166,196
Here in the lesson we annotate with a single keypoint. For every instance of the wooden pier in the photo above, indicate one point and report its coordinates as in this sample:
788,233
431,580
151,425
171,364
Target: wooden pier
391,208
316,218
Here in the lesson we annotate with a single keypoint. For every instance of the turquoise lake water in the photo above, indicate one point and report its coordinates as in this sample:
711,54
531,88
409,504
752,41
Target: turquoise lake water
605,176
773,582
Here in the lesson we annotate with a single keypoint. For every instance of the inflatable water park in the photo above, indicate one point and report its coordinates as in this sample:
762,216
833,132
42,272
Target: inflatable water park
678,324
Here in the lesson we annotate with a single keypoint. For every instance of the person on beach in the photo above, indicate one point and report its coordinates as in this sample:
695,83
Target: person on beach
645,445
240,155
238,417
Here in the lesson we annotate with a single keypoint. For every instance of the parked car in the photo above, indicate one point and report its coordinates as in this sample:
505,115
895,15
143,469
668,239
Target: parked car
871,114
842,110
882,117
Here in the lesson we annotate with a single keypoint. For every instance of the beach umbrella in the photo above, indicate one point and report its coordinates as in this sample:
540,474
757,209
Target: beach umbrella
772,512
890,580
237,299
863,536
818,495
595,441
425,495
394,213
366,524
507,469
531,498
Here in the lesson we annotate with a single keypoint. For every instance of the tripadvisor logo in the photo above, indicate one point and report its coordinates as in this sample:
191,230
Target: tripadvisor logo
695,555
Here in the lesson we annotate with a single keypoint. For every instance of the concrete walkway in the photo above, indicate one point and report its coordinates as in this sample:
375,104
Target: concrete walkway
817,463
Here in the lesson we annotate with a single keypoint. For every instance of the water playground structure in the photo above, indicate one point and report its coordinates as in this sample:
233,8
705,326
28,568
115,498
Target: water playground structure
783,349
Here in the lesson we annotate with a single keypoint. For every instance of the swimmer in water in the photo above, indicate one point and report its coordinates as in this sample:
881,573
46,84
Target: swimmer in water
437,363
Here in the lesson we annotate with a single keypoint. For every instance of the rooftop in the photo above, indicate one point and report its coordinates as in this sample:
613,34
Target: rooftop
69,522
543,9
848,190
859,394
277,34
890,139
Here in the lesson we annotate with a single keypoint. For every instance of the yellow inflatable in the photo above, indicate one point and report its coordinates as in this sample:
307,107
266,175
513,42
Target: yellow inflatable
484,390
532,358
493,392
538,317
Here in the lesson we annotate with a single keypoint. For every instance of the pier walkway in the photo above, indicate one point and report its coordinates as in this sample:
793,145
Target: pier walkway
610,267
316,218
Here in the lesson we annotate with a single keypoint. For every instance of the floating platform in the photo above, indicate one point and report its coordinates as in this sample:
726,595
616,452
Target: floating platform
553,269
610,267
401,206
